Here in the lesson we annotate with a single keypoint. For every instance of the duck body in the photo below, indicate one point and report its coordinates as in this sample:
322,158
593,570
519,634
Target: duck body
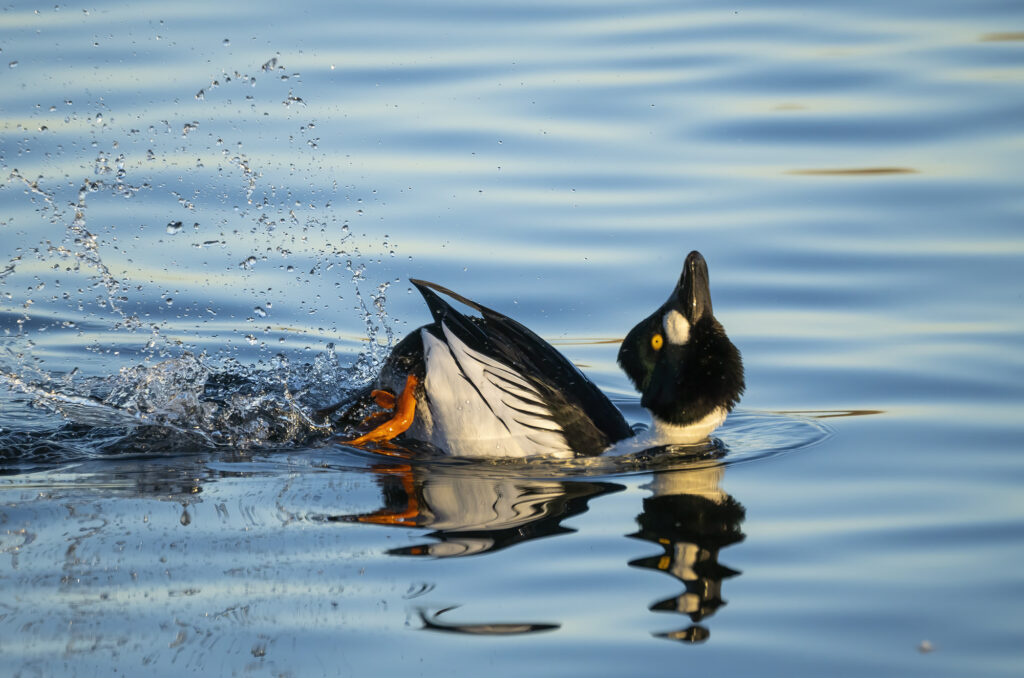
487,386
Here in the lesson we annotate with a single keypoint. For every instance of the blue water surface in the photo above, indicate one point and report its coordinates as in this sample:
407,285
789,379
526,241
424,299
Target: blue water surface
208,217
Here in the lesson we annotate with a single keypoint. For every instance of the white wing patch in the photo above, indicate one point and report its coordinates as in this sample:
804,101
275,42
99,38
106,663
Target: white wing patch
480,407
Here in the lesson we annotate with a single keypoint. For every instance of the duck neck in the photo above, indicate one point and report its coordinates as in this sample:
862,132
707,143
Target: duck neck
665,433
662,433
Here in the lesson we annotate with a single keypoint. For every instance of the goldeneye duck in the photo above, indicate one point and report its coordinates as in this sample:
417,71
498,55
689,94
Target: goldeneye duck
487,386
689,374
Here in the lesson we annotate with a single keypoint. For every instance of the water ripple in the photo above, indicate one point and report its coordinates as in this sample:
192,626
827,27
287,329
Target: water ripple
745,437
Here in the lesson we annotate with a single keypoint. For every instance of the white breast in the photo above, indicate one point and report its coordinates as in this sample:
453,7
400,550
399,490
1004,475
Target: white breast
480,407
664,433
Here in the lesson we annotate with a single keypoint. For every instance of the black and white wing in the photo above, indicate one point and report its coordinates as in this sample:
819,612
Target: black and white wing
491,378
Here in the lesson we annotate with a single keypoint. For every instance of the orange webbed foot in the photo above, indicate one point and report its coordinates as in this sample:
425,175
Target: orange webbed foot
384,399
405,411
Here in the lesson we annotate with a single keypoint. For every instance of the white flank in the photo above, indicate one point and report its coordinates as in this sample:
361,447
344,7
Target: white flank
479,407
677,328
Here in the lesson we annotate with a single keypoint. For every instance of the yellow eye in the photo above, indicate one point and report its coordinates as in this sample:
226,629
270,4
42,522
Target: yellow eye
657,342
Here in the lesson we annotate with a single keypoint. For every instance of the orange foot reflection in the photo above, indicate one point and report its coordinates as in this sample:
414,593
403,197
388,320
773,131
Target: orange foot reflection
408,514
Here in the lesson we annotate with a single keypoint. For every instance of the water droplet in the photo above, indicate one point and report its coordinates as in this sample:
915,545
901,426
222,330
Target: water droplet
260,312
174,227
98,119
251,339
227,42
13,64
169,301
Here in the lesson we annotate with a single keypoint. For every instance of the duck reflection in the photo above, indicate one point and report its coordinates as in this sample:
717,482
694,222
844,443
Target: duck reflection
691,519
473,514
687,515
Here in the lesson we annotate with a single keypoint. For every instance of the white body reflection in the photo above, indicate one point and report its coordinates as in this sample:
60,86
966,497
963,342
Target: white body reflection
473,514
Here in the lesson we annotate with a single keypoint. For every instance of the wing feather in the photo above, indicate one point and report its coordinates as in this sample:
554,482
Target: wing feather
522,379
474,366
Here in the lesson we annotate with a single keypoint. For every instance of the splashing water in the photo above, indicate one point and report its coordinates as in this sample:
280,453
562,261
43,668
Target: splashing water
179,405
184,376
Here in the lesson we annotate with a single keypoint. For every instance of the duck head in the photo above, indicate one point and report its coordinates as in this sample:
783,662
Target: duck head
680,358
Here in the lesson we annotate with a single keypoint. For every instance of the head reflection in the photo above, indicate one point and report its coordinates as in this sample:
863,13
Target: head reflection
691,519
473,514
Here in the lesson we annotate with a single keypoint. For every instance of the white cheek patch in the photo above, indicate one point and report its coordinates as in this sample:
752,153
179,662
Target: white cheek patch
677,329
